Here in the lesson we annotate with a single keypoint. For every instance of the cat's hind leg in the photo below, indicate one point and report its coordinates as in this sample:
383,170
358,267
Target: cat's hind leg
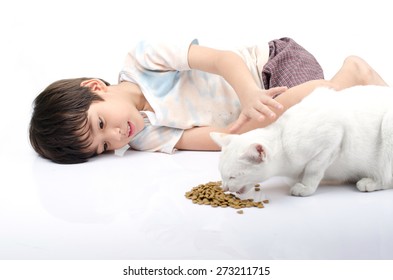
367,185
382,171
370,185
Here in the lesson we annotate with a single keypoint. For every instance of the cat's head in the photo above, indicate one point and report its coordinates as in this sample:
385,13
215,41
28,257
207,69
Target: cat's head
242,162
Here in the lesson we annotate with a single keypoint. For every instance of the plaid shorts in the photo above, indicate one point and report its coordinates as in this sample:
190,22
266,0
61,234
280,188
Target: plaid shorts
289,65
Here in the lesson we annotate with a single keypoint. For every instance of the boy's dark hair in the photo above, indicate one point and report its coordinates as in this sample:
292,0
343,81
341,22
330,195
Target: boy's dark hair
59,124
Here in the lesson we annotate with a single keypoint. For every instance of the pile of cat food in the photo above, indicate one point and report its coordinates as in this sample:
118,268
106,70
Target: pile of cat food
212,194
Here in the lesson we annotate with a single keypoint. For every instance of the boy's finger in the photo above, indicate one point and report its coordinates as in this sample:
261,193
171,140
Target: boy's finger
273,92
262,112
273,103
238,123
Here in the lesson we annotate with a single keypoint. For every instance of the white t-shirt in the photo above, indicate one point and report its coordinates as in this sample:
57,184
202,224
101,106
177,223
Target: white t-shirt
181,97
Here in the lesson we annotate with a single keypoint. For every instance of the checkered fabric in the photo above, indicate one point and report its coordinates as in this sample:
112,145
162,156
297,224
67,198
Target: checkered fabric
289,65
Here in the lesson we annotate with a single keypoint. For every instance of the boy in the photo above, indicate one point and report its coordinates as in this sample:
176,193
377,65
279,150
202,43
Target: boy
172,97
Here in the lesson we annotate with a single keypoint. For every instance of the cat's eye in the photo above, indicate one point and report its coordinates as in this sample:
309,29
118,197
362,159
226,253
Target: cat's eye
232,178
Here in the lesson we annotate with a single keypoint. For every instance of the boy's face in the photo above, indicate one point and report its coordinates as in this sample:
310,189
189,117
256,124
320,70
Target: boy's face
113,122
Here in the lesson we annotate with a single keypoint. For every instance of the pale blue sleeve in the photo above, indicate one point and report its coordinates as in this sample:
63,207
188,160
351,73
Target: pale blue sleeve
160,56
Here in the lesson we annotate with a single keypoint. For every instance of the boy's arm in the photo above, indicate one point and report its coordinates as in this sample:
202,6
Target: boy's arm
256,103
198,138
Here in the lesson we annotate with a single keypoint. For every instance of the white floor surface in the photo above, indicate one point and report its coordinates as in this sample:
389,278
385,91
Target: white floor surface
133,207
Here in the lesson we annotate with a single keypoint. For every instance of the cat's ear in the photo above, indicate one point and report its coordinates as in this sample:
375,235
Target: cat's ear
221,139
255,153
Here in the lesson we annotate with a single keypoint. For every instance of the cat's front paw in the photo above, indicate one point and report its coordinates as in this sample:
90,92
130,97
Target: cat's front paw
301,190
367,185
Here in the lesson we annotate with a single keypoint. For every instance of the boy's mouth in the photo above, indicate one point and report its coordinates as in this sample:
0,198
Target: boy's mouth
130,129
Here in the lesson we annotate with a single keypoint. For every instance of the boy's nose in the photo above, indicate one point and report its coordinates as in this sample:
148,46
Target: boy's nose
117,133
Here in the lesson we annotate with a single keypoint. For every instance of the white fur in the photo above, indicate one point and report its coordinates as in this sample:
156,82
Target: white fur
342,136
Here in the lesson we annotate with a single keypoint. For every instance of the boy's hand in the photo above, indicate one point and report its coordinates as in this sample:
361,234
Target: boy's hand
256,107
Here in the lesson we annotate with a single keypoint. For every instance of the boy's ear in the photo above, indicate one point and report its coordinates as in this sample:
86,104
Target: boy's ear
94,84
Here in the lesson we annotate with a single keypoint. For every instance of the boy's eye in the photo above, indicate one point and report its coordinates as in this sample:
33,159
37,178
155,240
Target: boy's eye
101,123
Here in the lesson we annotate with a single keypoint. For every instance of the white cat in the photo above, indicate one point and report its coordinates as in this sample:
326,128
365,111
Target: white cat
345,136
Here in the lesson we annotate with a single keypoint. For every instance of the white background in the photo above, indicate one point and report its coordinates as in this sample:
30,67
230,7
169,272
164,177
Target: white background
133,207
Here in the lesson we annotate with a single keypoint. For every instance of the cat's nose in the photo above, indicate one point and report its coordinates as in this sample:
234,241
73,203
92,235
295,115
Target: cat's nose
241,190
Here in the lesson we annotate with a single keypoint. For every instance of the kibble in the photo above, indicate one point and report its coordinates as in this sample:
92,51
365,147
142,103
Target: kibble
212,194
